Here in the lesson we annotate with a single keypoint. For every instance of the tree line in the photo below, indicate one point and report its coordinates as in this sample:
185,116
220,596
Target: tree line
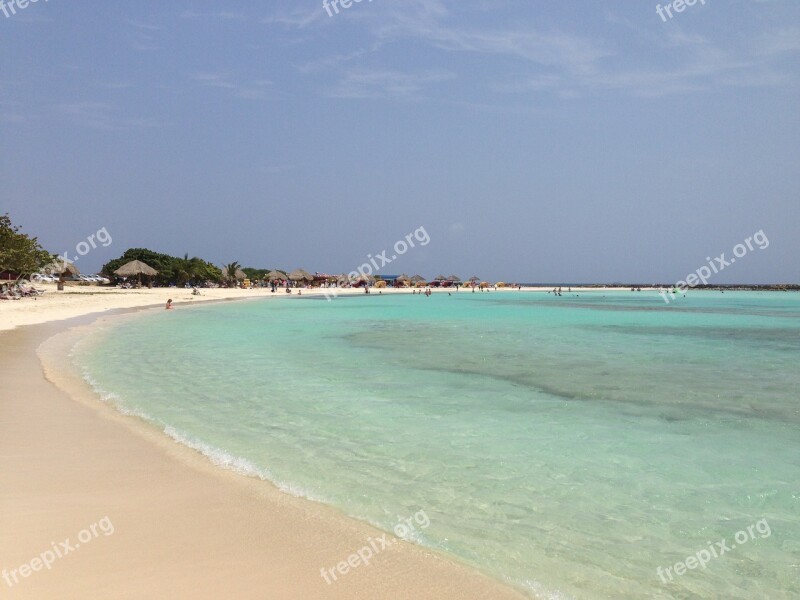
22,255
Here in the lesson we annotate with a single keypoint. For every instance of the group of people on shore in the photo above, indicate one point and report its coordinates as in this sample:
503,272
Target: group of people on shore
19,290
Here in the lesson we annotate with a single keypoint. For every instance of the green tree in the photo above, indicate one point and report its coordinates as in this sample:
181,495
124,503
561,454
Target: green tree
171,269
20,253
229,272
255,274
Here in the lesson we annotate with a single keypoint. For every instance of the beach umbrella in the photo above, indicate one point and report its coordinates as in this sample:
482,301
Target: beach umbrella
62,267
363,278
276,276
500,284
380,284
301,275
417,279
454,278
136,268
474,278
440,278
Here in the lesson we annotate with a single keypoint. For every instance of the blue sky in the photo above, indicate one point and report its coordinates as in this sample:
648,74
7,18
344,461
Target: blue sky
534,141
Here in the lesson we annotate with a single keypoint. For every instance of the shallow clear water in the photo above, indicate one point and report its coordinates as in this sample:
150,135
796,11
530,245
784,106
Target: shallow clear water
569,445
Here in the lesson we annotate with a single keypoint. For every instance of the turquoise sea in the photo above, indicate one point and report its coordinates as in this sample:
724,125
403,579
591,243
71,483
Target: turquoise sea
568,445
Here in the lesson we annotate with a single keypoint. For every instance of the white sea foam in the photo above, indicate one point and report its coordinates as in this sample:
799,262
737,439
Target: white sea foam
540,591
218,456
242,466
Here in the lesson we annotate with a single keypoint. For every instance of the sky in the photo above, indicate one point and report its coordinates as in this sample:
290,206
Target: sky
561,141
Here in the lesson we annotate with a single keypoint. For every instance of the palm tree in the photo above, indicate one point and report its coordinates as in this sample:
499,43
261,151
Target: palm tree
183,270
230,272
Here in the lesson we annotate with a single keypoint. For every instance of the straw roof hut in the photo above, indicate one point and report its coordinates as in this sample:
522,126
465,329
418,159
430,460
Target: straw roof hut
301,275
62,267
417,279
135,268
454,278
276,276
364,278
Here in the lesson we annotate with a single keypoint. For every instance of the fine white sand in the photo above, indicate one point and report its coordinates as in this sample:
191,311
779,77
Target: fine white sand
76,301
182,528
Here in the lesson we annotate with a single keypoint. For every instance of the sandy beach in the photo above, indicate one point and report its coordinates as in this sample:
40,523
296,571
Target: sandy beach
77,301
95,504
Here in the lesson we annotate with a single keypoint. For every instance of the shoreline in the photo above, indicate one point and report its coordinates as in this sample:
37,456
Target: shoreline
80,301
181,525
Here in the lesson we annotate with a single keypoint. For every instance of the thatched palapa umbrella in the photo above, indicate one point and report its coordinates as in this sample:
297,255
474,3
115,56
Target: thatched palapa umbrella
301,275
417,279
62,267
454,279
136,268
364,278
276,276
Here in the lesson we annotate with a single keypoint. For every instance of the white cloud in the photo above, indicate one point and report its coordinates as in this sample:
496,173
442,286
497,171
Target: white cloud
100,115
253,90
371,83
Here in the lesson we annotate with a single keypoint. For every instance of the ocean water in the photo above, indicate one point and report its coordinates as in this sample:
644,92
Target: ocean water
570,446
